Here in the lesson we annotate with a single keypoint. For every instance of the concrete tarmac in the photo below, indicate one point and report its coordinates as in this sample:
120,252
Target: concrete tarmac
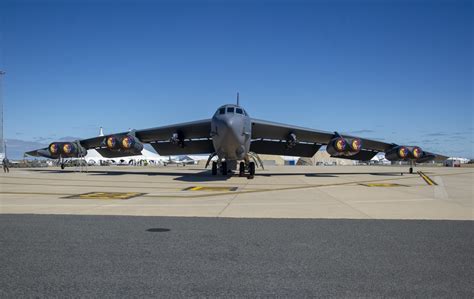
65,234
64,256
351,192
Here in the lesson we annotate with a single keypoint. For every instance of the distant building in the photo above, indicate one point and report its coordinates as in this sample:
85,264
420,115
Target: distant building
455,162
323,158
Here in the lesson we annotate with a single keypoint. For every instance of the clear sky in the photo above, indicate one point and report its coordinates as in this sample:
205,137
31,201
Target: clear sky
397,71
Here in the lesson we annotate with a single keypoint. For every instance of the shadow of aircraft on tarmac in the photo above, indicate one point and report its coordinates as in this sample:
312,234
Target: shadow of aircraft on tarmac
206,176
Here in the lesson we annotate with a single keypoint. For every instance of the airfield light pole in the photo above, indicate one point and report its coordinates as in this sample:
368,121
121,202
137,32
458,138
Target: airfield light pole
3,151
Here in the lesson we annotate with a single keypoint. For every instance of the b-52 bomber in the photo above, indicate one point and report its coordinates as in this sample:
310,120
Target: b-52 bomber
235,138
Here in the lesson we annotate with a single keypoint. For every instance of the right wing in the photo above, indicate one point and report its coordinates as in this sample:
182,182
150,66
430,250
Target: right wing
184,138
193,138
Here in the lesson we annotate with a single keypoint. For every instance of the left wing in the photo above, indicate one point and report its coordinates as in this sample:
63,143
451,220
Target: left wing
281,139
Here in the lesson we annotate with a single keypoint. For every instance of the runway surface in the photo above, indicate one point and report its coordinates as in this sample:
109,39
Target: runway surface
123,256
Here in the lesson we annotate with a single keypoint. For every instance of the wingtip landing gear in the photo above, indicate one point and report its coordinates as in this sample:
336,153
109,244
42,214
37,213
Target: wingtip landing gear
412,164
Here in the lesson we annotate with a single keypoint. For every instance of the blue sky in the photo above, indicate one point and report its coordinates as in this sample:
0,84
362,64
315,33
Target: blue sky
398,71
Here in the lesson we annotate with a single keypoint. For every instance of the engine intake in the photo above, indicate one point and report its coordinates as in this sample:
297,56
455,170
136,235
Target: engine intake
341,147
54,149
112,143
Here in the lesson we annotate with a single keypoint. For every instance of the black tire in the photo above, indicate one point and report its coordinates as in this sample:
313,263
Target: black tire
411,169
63,166
214,168
251,170
242,169
224,168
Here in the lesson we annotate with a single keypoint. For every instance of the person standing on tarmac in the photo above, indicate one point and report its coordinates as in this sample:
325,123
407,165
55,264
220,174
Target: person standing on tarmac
5,165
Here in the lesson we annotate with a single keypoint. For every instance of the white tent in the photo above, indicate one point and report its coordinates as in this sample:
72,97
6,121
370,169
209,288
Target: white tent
380,159
147,157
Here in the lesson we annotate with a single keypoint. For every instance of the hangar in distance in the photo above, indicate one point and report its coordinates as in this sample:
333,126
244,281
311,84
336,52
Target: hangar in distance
236,139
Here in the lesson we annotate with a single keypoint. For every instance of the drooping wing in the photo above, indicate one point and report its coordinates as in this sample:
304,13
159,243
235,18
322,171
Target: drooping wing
195,135
42,152
270,138
195,138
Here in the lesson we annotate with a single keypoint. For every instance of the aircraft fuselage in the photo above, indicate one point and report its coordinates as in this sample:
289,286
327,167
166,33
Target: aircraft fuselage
231,132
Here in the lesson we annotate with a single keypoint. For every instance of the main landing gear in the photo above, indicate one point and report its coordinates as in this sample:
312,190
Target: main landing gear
223,168
250,169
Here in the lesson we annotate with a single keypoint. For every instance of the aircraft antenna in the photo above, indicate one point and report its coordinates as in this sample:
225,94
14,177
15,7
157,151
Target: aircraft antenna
238,100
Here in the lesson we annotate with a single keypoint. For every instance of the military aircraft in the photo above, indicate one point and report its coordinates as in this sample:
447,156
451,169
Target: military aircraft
233,136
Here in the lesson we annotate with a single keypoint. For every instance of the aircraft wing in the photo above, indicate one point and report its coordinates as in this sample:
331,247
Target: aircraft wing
193,138
178,139
271,138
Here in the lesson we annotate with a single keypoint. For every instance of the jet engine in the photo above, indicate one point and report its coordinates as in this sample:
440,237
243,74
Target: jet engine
341,147
66,149
404,153
126,143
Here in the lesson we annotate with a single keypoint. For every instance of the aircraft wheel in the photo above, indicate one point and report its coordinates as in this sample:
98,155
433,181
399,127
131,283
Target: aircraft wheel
411,169
251,170
224,168
63,166
241,169
214,168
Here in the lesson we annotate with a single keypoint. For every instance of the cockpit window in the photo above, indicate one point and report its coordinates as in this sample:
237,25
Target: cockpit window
222,111
230,109
239,111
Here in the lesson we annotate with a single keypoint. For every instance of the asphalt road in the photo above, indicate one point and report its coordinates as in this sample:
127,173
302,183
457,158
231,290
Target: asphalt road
117,256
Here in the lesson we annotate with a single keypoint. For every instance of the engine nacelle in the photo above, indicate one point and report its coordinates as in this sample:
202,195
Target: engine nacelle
126,143
404,153
341,147
66,149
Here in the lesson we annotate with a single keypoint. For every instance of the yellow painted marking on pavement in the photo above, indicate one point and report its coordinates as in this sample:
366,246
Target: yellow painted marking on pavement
383,185
427,179
107,195
210,188
258,190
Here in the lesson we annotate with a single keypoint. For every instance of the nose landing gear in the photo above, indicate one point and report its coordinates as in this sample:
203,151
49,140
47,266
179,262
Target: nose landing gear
241,169
224,168
251,170
214,168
